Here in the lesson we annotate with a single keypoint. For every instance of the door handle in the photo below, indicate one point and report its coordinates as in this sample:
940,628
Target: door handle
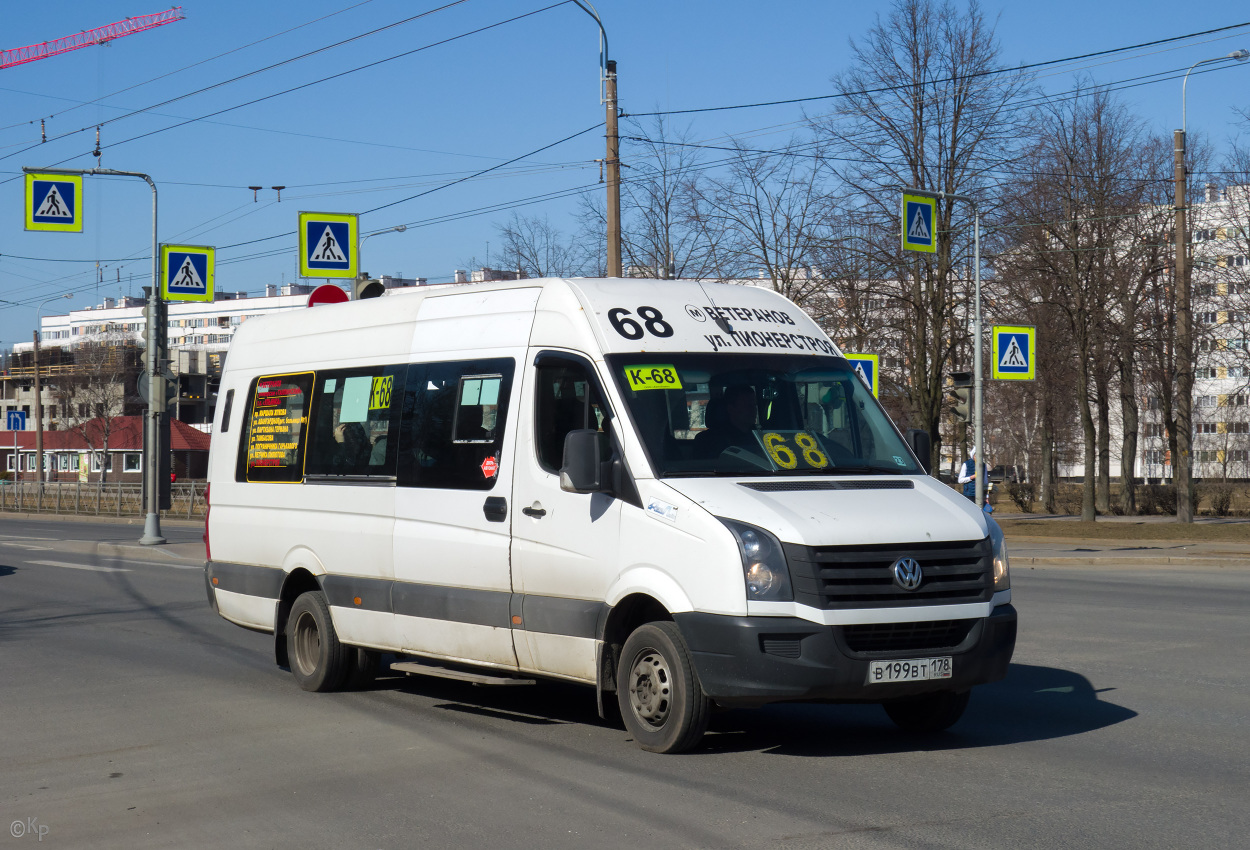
495,508
535,510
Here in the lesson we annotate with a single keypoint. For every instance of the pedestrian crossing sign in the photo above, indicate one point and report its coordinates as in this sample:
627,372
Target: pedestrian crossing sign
1012,353
865,366
919,218
328,245
187,272
54,202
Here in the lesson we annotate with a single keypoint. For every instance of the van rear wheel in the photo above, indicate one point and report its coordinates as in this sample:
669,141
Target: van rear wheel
319,661
928,713
661,700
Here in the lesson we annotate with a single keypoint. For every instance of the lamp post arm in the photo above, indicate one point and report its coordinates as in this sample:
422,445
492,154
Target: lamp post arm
603,34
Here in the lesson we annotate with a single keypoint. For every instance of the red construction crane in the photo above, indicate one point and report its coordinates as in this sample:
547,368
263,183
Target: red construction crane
86,38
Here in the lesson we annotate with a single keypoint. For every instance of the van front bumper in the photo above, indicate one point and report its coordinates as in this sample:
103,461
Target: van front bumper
745,661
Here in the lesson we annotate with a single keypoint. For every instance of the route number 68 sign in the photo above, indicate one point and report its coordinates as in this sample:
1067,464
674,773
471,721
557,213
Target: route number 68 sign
794,450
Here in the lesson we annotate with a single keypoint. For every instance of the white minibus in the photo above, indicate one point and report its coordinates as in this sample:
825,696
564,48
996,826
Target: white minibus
679,494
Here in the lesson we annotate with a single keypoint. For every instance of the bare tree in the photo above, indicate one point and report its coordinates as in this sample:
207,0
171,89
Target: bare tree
533,246
766,219
925,106
665,171
1078,234
99,390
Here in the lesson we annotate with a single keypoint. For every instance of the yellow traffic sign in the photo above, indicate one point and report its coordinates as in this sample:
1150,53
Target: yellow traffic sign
865,365
919,219
54,202
1013,349
328,245
188,272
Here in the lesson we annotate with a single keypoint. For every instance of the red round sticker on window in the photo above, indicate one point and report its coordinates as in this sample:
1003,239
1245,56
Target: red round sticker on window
489,467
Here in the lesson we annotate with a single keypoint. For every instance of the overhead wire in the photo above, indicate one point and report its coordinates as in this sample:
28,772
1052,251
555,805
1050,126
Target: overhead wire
93,101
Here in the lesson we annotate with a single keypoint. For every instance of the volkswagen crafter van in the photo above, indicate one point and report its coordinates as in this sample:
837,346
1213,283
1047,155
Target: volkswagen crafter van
679,494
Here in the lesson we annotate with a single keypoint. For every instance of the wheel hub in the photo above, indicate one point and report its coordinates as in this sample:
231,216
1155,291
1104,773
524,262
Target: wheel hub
650,688
307,644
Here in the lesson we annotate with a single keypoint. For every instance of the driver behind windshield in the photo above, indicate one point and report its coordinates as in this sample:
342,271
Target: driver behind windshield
730,422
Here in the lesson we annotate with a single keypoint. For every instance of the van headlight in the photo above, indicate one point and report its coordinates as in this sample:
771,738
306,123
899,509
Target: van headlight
763,563
1002,564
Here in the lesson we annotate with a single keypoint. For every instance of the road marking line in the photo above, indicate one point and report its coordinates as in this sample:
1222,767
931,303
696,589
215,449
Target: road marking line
90,567
159,564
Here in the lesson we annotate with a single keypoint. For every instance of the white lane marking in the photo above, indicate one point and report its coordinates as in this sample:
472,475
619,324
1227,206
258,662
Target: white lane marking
159,564
29,548
90,567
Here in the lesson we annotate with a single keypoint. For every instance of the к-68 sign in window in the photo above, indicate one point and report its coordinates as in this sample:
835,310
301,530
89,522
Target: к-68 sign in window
276,428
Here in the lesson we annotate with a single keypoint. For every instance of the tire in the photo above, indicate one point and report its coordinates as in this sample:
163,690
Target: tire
928,713
363,665
318,661
660,698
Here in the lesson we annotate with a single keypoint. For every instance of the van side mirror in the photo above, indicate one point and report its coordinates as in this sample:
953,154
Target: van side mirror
918,441
582,471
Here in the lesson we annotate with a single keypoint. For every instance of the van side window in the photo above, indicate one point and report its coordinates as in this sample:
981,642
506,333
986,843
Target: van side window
272,444
567,400
355,422
452,424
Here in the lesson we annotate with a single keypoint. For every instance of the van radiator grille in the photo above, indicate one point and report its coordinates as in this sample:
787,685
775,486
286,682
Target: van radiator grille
837,577
907,637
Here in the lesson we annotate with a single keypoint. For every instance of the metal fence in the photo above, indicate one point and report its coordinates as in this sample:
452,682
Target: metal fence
186,499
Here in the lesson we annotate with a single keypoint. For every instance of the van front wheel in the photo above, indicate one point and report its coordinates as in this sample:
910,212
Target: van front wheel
661,700
318,661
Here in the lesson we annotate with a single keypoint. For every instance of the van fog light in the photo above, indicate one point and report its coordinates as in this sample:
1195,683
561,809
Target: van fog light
763,563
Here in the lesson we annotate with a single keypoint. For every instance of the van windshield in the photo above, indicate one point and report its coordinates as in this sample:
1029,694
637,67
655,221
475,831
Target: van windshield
753,414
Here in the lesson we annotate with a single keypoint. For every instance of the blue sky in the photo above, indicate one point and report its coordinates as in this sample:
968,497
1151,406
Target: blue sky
379,135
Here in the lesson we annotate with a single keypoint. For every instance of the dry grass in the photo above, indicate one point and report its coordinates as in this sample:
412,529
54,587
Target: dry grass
1126,529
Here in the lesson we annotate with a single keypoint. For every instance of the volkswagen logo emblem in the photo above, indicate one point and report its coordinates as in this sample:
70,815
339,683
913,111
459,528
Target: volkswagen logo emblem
907,573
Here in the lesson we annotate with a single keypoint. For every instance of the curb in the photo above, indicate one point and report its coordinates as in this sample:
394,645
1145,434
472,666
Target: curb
1166,561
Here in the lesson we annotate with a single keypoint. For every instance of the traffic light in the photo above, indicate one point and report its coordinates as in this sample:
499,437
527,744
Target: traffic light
961,390
367,287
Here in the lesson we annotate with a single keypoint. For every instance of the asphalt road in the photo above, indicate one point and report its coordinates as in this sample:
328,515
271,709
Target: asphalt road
131,716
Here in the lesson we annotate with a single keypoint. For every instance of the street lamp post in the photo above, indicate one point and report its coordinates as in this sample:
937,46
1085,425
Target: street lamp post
399,228
612,158
978,377
1182,464
39,476
157,341
362,275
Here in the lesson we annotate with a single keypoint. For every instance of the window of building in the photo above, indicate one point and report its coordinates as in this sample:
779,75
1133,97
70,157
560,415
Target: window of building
95,461
132,462
1238,456
1205,401
453,421
1205,428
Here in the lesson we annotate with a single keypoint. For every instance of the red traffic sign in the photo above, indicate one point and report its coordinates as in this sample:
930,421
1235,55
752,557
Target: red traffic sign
327,293
490,466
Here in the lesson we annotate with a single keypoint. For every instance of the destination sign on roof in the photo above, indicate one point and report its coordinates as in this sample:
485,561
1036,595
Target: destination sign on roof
671,315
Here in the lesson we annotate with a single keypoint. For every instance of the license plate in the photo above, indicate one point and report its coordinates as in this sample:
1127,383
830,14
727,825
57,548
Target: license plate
909,670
